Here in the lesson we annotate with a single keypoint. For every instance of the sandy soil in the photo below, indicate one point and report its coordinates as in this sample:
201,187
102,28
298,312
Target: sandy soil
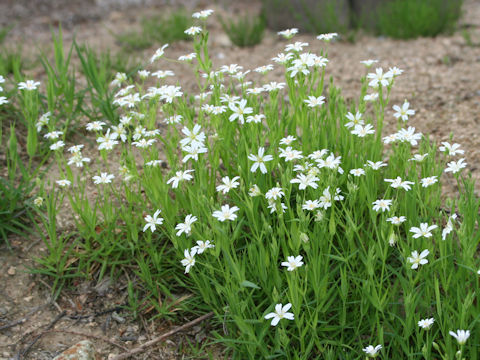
441,81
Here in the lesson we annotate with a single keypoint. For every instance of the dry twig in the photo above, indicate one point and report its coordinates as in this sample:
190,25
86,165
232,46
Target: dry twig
154,341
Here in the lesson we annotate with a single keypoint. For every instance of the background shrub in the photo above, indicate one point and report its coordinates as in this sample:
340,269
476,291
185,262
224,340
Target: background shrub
407,19
245,31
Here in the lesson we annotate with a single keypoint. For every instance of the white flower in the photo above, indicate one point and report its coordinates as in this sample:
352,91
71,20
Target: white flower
107,141
193,30
293,262
313,101
78,159
417,259
274,193
179,176
297,46
282,58
449,227
372,351
228,184
186,226
357,172
264,69
58,145
287,140
272,86
311,205
193,151
426,323
375,165
327,37
202,14
461,336
395,71
254,191
43,120
371,97
95,126
304,181
274,207
379,78
153,221
28,85
259,160
226,213
202,246
451,150
3,100
424,230
239,111
104,178
369,63
281,312
456,166
189,259
160,74
159,53
143,74
63,183
382,204
418,157
362,131
175,119
231,69
257,118
390,138
330,162
403,112
397,220
354,119
53,135
188,57
399,183
288,33
325,199
289,154
426,182
193,137
409,135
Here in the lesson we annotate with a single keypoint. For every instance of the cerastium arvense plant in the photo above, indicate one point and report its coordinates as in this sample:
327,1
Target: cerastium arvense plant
279,206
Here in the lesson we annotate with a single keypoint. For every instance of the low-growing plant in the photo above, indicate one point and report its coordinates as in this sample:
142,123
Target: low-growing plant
17,182
245,30
408,19
280,207
157,29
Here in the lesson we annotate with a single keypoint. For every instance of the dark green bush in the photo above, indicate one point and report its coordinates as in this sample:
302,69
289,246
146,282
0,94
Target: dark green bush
244,31
407,19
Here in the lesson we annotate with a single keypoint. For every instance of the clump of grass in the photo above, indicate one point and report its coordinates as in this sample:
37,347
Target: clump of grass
17,182
157,29
306,229
407,19
245,30
11,60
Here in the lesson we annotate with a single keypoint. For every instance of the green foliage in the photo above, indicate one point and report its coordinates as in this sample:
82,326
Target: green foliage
164,29
311,16
16,186
100,70
11,60
406,19
244,31
64,101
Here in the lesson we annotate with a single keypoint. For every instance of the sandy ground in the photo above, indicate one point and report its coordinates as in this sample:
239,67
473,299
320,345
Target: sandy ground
441,81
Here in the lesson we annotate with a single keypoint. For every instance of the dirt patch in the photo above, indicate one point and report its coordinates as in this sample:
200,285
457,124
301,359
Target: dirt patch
441,81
